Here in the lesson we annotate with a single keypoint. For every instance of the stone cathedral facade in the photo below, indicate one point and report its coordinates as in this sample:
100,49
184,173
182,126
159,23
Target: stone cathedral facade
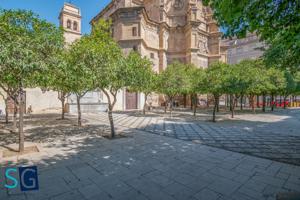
166,30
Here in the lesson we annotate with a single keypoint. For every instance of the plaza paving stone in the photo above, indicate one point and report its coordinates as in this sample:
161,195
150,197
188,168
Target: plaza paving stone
146,166
274,139
77,163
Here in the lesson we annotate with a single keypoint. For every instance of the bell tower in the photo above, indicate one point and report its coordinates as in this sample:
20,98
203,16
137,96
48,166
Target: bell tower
70,20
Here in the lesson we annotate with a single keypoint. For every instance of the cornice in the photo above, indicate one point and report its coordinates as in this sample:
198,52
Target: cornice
73,32
71,14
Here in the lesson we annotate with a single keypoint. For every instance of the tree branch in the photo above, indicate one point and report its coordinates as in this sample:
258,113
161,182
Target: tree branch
108,98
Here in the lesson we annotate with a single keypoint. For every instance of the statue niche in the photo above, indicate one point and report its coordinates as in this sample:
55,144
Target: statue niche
202,45
178,4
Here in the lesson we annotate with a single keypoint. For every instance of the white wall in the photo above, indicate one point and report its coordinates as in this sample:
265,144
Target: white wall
42,101
121,100
2,103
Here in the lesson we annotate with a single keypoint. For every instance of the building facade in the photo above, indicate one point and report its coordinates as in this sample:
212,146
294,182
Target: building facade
165,31
249,47
162,30
70,20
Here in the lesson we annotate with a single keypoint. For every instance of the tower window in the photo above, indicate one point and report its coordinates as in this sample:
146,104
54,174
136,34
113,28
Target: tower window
194,15
75,26
134,31
69,24
152,55
161,16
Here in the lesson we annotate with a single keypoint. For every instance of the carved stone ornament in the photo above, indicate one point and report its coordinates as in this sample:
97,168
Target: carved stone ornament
202,45
178,4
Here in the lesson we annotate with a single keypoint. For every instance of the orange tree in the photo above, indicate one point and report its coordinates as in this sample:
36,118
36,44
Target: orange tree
28,46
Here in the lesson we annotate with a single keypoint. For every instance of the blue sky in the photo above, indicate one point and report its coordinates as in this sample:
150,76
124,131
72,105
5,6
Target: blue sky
49,9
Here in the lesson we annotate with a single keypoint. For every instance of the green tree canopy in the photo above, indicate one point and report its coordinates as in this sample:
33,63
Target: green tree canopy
109,66
195,78
216,82
141,77
195,83
28,46
275,21
81,77
173,80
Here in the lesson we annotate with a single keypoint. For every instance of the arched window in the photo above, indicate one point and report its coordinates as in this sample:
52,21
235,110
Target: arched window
69,24
75,26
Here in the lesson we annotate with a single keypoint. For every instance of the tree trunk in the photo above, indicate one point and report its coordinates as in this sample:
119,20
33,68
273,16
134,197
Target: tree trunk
111,122
195,104
264,103
252,103
110,110
227,98
79,110
166,104
284,101
207,102
236,101
232,106
14,126
6,111
280,101
272,102
241,101
171,106
184,100
191,96
257,103
145,104
63,107
21,121
215,108
230,102
218,104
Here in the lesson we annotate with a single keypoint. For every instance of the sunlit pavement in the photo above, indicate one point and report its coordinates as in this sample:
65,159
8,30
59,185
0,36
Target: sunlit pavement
274,136
148,166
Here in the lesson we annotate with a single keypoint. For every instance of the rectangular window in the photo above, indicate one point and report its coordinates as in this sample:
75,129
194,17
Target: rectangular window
152,55
134,48
134,31
161,16
195,15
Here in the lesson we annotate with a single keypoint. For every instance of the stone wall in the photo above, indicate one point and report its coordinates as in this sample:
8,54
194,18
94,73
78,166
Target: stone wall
246,48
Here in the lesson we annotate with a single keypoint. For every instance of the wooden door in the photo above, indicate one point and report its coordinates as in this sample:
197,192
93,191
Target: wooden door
131,100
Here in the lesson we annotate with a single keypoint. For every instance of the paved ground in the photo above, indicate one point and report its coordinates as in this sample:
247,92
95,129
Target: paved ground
78,163
274,136
147,166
